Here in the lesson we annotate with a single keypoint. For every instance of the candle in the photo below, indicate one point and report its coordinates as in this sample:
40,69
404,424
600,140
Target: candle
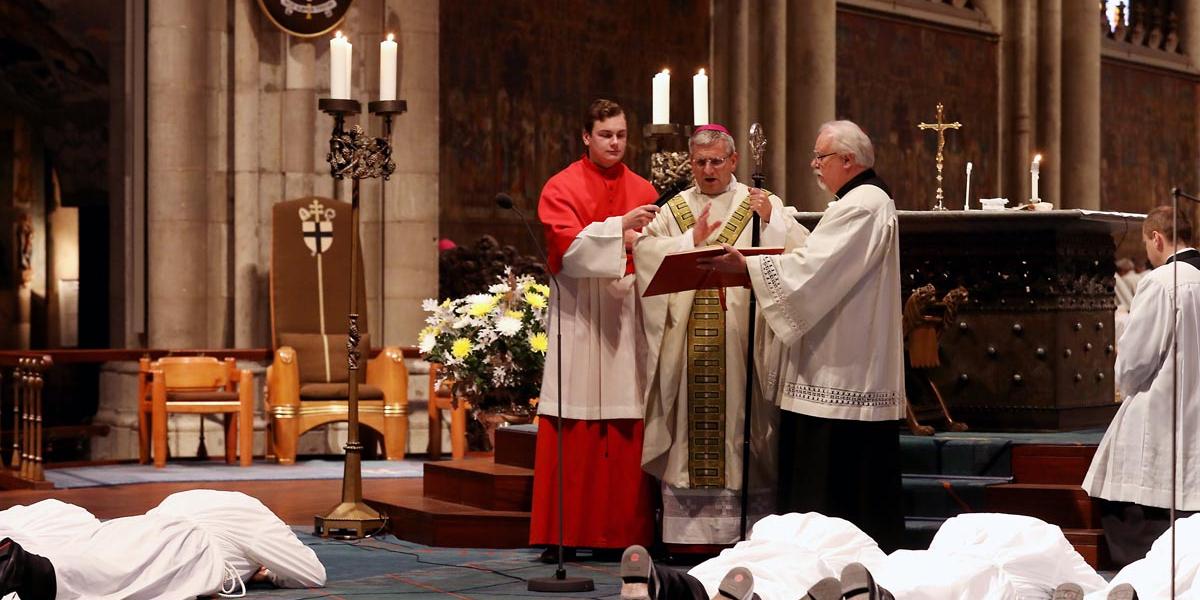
662,98
387,68
700,97
1034,169
337,66
349,72
967,196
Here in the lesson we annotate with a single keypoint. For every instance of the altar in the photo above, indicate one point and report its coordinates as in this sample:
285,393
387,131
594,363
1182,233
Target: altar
1033,347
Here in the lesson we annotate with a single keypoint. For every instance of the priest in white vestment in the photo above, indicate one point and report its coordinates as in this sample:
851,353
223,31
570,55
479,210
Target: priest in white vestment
1131,470
833,312
696,386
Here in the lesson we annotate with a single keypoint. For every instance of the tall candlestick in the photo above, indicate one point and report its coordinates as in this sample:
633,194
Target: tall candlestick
1034,170
349,67
967,196
662,98
337,67
387,68
700,97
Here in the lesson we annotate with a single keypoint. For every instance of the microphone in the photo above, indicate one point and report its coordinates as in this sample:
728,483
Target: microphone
671,191
559,582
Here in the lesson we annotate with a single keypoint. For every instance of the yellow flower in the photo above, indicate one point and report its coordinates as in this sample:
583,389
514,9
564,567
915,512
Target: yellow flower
516,314
482,308
539,342
541,289
535,300
461,348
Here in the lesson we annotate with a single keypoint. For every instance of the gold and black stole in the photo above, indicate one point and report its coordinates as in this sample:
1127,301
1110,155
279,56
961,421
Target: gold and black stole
706,383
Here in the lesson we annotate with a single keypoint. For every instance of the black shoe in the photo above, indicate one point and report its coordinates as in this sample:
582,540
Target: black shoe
1124,591
637,574
826,589
550,555
738,584
858,584
1068,591
29,575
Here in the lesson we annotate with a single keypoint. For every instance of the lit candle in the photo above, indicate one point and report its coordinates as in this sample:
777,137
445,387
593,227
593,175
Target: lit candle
337,66
967,196
662,98
700,97
349,67
387,68
1034,169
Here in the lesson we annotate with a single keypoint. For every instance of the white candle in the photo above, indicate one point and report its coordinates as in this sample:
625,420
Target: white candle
700,97
967,196
349,67
387,68
337,64
1034,169
662,98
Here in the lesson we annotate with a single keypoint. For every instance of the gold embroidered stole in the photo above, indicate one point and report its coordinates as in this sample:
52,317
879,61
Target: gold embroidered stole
706,383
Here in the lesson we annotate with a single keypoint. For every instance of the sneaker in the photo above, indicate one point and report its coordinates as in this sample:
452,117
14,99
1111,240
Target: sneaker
636,573
29,575
858,584
1067,591
826,589
1124,591
738,584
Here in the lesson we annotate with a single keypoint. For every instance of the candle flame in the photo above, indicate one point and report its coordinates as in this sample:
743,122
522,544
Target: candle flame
666,71
391,37
338,34
1037,158
701,71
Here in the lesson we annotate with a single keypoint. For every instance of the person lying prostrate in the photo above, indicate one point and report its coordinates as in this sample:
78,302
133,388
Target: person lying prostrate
1151,576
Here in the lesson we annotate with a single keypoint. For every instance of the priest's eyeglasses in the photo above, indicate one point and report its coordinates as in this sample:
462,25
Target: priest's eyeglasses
821,157
714,162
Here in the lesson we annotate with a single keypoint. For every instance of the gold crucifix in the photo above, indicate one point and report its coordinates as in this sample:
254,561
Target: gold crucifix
940,128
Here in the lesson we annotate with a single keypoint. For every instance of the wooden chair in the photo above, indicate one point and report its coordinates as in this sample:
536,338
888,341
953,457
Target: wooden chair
308,380
441,398
199,385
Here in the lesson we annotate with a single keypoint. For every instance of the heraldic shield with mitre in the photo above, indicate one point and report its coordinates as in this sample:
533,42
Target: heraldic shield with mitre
316,223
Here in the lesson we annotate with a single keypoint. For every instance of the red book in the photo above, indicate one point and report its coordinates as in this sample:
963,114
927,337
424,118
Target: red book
680,273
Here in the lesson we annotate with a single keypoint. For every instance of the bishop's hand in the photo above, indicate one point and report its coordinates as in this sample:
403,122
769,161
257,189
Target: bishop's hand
731,261
703,228
761,204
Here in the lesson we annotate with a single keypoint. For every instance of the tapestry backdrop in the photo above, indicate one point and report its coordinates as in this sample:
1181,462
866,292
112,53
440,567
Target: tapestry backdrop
512,97
890,76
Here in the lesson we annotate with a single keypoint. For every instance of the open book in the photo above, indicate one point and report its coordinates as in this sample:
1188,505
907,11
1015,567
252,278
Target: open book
679,272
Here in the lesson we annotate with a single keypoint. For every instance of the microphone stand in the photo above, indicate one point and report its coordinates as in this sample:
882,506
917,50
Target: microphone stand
559,583
1176,194
758,143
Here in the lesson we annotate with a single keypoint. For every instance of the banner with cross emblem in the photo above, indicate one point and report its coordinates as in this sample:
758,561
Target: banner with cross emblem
316,223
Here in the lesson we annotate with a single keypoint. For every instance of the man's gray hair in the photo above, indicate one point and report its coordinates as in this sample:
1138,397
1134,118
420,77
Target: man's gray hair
709,137
848,138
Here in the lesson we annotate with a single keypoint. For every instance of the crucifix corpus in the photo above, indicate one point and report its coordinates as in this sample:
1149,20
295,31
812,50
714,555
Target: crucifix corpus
940,127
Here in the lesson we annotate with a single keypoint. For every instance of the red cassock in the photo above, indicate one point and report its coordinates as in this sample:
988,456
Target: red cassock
608,501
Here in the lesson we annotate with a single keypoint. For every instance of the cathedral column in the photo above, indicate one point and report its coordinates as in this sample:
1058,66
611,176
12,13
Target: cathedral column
811,93
1189,16
249,267
1047,139
1081,103
1018,82
177,198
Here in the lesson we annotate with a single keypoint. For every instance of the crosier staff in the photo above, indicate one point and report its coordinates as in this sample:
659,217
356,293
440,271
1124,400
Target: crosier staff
758,144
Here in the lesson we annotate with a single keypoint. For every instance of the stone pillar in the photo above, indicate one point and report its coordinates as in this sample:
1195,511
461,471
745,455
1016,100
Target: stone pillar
774,101
811,93
1080,157
219,332
1019,78
1048,129
249,266
410,217
1189,36
177,202
300,120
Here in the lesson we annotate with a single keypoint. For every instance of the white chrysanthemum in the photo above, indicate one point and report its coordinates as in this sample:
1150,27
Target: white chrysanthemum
427,343
508,326
499,288
429,305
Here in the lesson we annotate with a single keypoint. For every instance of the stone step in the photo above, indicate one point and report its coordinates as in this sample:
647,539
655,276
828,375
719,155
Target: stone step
944,496
974,456
481,483
434,522
1067,506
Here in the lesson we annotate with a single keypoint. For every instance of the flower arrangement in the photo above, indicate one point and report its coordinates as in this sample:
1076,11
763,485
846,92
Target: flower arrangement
493,345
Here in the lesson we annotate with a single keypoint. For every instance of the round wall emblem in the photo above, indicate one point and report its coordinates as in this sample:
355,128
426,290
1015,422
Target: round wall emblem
305,18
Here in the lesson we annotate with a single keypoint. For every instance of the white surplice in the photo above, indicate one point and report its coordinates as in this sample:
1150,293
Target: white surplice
1151,576
601,341
692,515
1133,461
833,307
249,536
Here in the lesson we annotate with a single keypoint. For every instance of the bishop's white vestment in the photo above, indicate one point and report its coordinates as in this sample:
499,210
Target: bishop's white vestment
695,396
1133,461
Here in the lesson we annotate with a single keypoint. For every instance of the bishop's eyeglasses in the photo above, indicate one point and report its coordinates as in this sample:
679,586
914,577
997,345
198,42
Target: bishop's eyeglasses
714,162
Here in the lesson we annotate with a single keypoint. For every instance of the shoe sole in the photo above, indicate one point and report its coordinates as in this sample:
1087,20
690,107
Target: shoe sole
1124,591
1068,591
826,589
738,584
858,584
